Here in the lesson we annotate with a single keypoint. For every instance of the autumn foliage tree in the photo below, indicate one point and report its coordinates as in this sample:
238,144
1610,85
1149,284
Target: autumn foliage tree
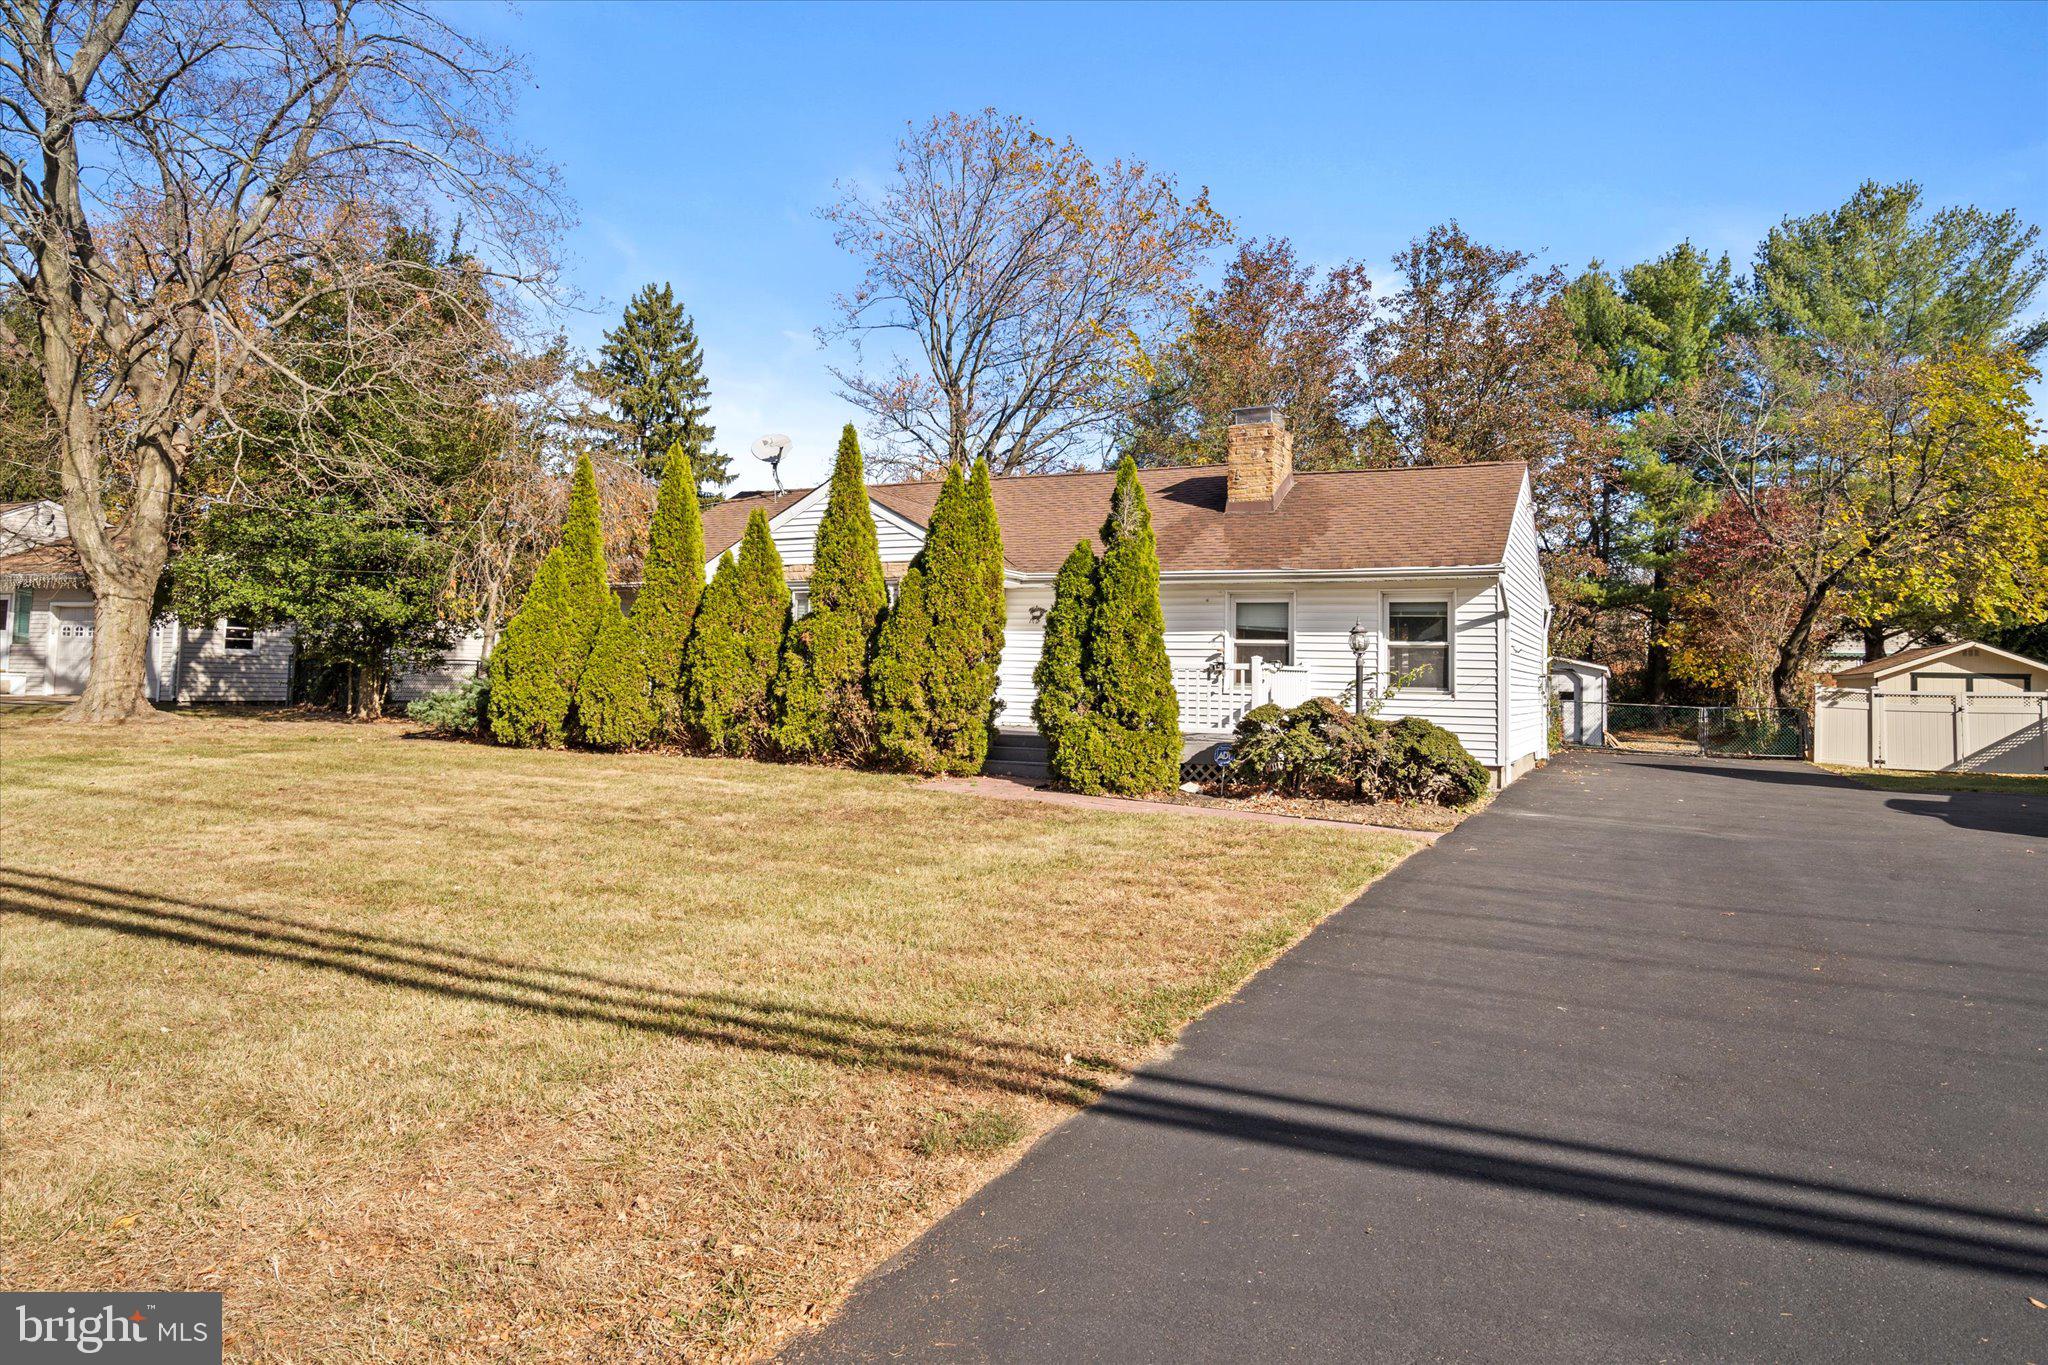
1008,283
1873,485
1276,331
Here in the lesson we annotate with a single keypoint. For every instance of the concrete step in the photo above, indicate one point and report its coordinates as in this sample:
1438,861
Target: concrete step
1010,767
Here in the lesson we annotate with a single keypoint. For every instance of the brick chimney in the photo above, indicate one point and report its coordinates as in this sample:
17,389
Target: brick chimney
1261,459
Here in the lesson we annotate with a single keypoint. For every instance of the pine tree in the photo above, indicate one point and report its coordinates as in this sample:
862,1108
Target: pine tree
822,707
934,678
672,585
730,662
1129,741
1062,693
651,368
614,708
542,653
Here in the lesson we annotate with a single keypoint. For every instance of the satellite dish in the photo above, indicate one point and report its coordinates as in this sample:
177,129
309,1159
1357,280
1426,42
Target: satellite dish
770,450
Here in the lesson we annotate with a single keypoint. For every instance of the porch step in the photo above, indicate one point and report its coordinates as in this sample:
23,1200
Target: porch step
1016,753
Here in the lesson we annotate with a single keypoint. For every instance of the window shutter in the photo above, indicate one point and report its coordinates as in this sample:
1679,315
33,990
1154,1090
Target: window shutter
24,603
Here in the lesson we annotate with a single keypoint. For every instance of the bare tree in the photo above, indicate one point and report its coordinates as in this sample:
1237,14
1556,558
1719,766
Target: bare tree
1009,282
181,183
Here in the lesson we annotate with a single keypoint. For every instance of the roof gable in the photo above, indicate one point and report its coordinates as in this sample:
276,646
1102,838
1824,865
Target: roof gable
1925,654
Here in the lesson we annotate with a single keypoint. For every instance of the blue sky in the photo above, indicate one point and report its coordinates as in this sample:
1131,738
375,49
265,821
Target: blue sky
699,141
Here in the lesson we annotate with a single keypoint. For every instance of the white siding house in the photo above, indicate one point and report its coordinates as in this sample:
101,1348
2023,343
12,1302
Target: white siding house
46,625
1263,576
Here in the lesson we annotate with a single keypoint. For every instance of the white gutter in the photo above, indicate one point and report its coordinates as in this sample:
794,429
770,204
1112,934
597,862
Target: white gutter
1313,575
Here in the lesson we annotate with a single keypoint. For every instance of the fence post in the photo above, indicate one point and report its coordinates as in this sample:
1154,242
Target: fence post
1703,732
1955,733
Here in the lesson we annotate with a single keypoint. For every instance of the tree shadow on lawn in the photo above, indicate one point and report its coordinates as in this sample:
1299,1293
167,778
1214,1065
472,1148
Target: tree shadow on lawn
724,1019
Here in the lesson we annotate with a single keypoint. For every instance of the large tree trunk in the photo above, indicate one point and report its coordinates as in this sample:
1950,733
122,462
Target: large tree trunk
1873,643
1657,656
118,687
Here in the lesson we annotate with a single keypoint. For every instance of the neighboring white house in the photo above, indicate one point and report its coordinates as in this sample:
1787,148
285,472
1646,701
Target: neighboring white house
46,628
1263,574
1967,706
1581,691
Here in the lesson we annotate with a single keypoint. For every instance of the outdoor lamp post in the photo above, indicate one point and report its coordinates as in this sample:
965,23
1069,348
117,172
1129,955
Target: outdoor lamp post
1360,642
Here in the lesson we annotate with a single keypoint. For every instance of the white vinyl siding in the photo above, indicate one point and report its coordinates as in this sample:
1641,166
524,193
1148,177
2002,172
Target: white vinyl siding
1324,612
795,531
1528,604
457,667
210,671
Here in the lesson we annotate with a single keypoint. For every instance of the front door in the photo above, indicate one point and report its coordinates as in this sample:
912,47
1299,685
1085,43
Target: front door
70,646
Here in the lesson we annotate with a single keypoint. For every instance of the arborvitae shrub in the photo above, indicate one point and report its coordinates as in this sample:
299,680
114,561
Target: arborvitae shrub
614,706
1062,694
541,654
1128,740
934,677
672,585
533,667
730,661
821,690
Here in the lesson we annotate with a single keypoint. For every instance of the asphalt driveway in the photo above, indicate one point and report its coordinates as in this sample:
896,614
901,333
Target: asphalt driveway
1657,1059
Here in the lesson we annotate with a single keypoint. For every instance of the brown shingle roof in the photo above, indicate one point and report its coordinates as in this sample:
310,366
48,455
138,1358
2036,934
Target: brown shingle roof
1438,517
55,562
725,522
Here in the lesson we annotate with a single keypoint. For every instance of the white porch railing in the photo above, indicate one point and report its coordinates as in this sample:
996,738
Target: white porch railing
1212,699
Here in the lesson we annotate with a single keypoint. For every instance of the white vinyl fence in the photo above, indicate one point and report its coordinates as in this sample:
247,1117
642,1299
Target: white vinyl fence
1995,732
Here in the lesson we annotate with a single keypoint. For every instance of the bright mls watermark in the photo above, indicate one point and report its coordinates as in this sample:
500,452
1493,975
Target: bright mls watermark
164,1329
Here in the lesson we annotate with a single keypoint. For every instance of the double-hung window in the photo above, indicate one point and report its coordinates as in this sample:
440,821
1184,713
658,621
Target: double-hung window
1260,630
1419,643
240,635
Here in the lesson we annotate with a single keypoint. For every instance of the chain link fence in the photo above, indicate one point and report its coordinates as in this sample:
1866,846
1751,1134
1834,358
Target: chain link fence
1737,731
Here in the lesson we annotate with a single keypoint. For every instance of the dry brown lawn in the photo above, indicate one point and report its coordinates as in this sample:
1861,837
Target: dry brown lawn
428,1050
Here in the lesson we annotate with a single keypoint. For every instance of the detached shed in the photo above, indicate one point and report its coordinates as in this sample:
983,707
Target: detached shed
1967,706
1581,691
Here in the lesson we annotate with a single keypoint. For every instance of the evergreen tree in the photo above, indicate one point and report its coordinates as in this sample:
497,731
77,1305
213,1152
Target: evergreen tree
542,653
730,662
1062,694
1879,273
1129,739
934,678
530,686
822,707
651,368
614,706
672,583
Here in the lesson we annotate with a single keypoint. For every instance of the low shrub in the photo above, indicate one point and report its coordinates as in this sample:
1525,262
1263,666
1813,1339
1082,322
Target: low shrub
1321,749
457,711
1425,762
